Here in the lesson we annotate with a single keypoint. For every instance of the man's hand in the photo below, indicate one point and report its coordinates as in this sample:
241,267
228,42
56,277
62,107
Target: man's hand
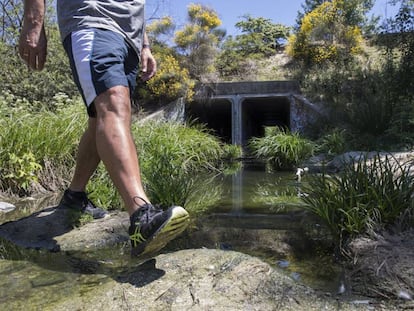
32,41
148,64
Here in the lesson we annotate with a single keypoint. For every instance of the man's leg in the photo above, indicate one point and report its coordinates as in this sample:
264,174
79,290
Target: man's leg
87,158
116,147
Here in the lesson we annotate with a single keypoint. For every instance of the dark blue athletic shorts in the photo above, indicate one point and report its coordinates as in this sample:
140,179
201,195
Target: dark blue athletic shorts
100,59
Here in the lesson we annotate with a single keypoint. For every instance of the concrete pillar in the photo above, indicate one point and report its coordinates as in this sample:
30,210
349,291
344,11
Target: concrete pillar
237,191
236,120
292,114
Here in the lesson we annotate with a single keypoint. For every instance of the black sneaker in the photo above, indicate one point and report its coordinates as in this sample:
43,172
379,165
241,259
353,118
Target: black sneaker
152,228
78,200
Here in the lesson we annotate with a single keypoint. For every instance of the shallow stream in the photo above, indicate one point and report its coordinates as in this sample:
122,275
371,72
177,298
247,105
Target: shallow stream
259,213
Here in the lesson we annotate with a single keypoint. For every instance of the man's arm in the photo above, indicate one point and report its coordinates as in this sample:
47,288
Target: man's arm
148,62
32,41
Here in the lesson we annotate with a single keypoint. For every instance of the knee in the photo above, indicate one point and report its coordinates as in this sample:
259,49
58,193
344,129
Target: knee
114,102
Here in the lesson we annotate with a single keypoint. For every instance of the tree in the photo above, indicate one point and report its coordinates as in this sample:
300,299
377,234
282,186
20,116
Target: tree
354,13
11,19
172,80
399,70
307,7
160,31
260,38
329,32
260,35
198,41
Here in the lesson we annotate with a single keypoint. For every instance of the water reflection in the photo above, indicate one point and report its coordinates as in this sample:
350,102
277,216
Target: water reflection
254,189
237,191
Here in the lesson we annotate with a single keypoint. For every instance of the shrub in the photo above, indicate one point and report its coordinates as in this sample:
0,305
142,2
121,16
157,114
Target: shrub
282,149
172,157
41,139
20,172
326,34
368,195
170,82
333,143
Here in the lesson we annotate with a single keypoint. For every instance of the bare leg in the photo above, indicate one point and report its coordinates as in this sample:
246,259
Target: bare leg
115,145
87,159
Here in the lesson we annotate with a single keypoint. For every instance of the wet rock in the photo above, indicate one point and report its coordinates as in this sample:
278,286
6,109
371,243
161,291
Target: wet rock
52,229
202,279
6,207
47,280
191,279
324,162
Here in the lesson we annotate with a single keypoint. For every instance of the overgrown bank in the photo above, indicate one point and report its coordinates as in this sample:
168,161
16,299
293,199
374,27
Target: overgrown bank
38,151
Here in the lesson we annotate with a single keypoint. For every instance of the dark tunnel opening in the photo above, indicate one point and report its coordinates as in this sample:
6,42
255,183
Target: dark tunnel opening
256,114
259,113
215,114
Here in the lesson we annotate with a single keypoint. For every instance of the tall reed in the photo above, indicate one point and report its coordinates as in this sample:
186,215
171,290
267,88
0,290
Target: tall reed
174,159
42,137
281,148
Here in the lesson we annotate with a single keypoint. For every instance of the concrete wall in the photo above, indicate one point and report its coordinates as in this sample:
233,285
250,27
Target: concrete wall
241,110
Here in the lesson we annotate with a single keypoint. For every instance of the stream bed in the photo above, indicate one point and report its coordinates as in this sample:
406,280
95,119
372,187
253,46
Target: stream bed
259,213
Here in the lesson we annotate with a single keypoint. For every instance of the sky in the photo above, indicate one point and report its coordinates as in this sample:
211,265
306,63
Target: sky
231,11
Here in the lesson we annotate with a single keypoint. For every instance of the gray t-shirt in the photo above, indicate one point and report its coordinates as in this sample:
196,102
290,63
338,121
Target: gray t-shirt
122,16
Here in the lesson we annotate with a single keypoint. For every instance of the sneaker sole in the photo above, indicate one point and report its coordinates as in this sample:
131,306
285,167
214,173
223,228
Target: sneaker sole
173,227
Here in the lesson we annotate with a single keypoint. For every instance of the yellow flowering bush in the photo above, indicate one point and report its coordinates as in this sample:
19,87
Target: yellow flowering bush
204,17
171,80
324,35
160,26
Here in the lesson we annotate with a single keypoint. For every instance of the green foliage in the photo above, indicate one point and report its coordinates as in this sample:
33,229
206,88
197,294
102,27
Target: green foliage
328,33
176,160
199,40
232,152
371,95
11,21
232,63
16,78
364,99
333,143
172,156
37,139
355,12
283,150
171,81
260,36
102,191
277,196
20,171
307,6
396,80
160,31
368,195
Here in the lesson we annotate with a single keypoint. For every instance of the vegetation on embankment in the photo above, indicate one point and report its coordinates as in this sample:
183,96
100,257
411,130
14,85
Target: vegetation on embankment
39,147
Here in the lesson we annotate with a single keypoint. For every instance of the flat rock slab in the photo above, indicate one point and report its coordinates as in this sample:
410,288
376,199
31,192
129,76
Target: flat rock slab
52,230
200,279
192,279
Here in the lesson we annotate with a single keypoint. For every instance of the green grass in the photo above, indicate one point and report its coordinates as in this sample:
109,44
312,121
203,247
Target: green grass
369,195
282,149
31,142
175,159
39,148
